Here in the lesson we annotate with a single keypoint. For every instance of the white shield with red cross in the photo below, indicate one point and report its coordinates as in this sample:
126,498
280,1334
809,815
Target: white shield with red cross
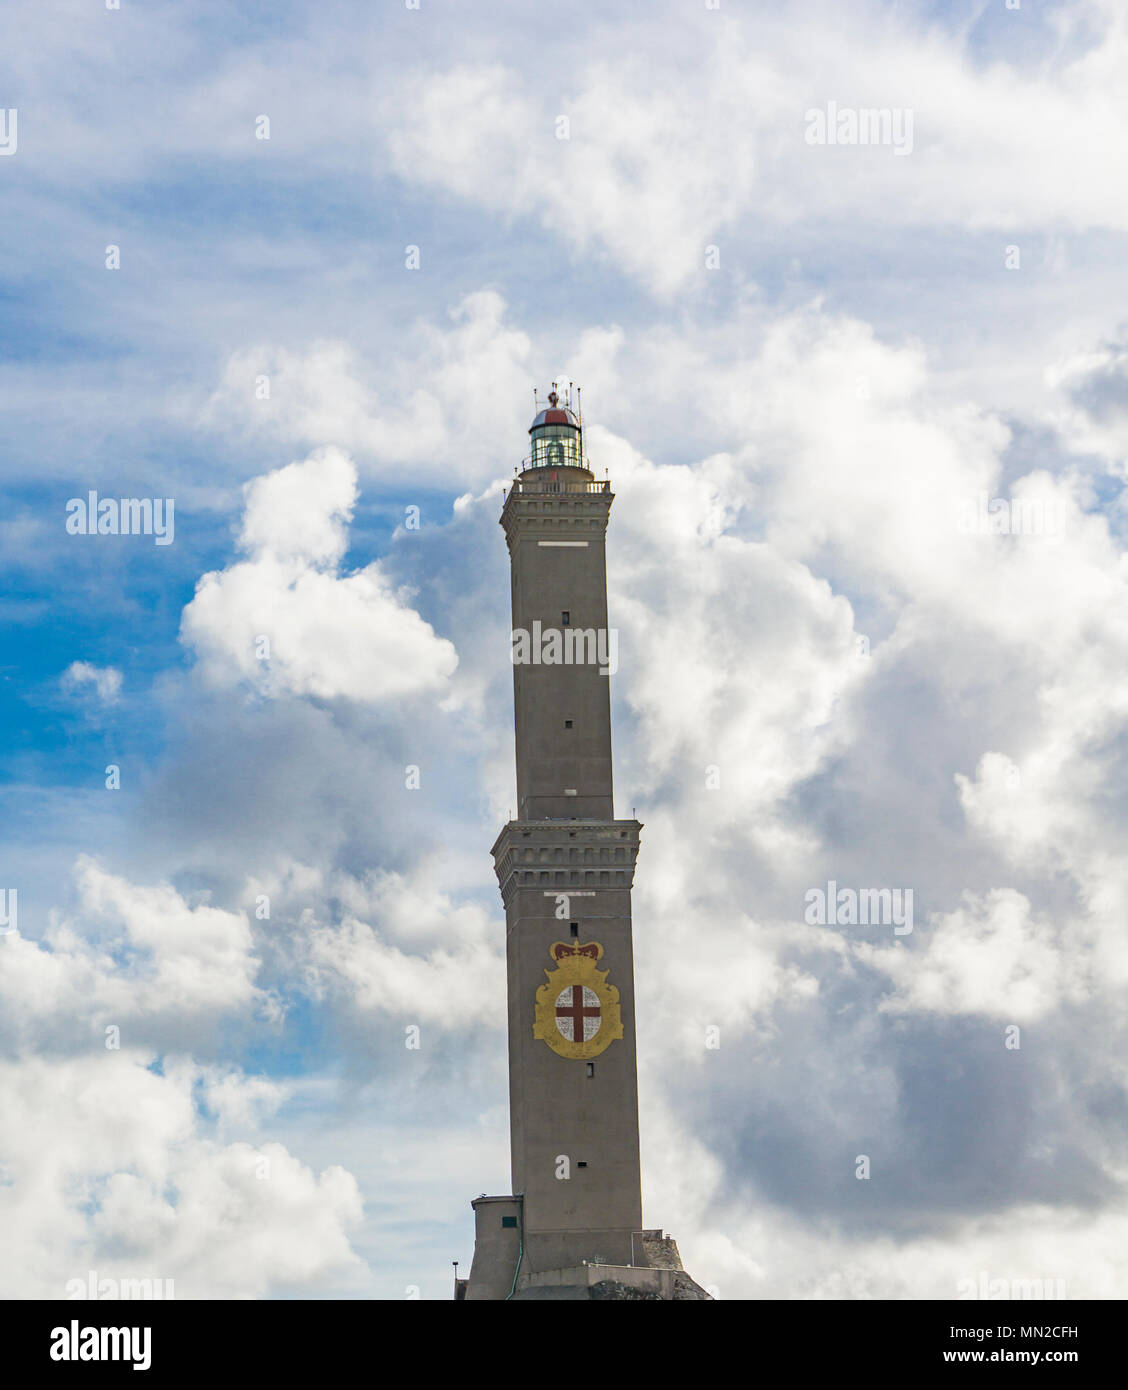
577,1013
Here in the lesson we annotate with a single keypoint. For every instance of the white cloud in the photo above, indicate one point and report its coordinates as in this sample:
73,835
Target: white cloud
106,680
108,1168
437,401
455,981
666,171
990,956
326,634
134,957
107,1150
1095,415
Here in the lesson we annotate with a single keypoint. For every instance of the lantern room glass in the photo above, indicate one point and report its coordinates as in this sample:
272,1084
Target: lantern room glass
556,446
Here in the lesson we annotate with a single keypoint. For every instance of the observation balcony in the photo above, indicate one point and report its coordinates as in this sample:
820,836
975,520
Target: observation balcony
538,480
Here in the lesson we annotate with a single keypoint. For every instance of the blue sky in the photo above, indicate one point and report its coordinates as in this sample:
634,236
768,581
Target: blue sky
797,362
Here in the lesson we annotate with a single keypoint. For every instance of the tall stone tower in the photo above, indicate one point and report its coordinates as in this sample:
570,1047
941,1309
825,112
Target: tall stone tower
573,1226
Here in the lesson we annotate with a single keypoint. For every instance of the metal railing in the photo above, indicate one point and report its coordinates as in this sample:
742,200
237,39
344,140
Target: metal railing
548,484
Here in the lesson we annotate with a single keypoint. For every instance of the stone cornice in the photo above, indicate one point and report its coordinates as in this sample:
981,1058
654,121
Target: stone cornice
544,514
566,855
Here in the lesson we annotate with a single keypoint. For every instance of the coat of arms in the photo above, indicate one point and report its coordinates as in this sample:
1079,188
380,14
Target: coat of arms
577,1011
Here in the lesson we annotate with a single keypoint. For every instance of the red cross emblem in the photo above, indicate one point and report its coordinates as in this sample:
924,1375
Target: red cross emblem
577,1013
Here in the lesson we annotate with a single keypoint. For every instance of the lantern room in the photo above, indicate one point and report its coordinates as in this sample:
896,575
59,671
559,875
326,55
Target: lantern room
557,436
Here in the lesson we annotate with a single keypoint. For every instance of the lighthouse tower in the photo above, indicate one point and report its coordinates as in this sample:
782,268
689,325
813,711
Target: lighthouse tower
572,1227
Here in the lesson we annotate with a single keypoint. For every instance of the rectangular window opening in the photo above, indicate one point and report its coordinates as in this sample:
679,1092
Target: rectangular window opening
567,723
591,1069
581,1165
509,1221
565,618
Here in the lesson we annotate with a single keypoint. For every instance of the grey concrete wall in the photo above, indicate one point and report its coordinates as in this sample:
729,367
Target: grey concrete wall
610,1282
558,564
556,1108
496,1248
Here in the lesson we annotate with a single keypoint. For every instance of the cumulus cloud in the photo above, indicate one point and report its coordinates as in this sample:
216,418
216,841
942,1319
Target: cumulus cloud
668,173
144,1164
130,956
437,401
426,960
987,957
110,1168
288,622
1094,415
106,680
